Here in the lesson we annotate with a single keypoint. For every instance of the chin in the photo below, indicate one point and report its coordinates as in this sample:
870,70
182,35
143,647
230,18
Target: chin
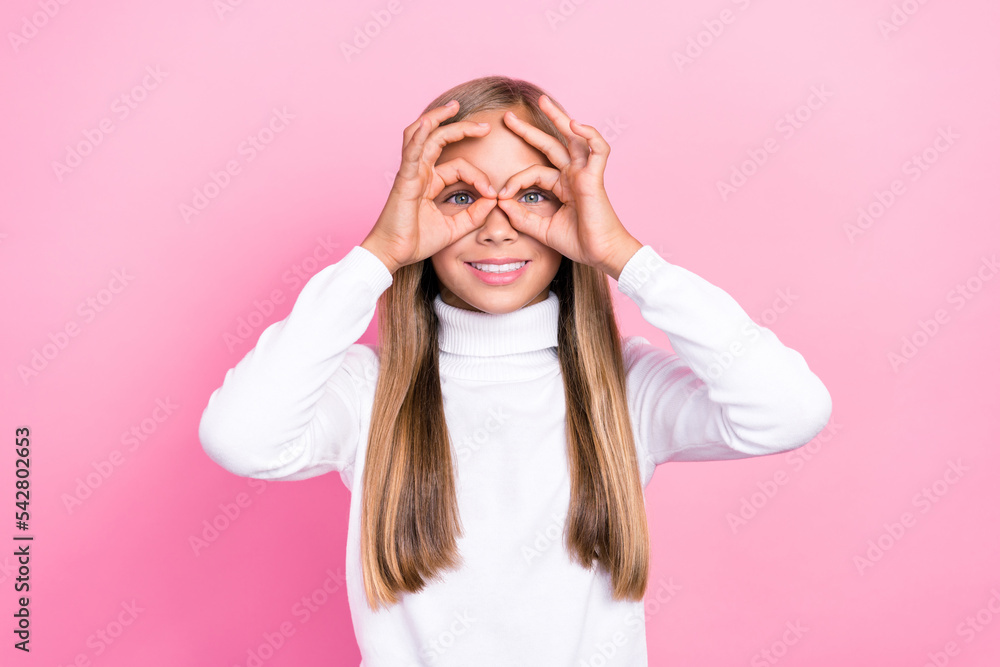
497,304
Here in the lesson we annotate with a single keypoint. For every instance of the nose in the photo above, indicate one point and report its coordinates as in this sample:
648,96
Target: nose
496,227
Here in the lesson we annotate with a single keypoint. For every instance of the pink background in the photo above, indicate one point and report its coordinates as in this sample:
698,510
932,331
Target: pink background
779,243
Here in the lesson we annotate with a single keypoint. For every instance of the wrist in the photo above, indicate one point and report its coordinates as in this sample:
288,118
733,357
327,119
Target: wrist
623,251
372,246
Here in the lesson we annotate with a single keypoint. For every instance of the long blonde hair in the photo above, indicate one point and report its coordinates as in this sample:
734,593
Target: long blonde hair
409,509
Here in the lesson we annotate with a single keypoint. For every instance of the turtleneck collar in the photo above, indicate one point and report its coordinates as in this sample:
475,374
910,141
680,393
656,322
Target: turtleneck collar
475,334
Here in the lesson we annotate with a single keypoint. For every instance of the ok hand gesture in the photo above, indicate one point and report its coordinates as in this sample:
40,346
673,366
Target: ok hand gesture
585,228
411,227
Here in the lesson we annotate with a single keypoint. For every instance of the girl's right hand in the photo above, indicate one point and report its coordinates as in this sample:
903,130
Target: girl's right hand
411,227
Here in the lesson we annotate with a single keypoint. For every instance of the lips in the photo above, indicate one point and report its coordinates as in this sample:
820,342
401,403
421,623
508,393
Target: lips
497,260
505,271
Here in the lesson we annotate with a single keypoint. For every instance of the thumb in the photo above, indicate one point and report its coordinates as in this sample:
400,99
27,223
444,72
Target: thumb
473,217
521,219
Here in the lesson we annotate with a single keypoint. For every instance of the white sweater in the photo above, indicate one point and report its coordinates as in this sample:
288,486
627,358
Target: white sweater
299,405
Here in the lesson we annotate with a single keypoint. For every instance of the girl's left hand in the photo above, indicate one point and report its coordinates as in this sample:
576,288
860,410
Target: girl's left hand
585,228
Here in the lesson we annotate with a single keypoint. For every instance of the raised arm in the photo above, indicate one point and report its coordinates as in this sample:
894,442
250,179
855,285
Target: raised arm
730,390
292,407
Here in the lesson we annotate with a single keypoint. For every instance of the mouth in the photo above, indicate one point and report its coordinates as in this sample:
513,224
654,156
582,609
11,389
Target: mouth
498,271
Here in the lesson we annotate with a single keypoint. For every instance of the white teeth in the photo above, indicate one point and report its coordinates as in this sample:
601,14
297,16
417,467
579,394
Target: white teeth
498,268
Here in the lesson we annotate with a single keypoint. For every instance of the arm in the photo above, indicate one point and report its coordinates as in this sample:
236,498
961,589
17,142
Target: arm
292,407
731,389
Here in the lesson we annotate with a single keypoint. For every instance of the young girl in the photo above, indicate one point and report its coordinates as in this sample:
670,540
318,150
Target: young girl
498,439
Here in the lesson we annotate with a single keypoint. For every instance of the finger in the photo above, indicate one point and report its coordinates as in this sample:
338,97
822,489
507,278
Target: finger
426,147
440,113
471,218
437,139
599,148
544,177
474,216
411,151
416,134
456,170
523,220
578,149
543,141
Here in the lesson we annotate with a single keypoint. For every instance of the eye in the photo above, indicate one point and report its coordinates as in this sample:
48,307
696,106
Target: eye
537,193
459,193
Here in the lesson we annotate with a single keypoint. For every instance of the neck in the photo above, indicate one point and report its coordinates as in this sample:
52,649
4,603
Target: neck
475,333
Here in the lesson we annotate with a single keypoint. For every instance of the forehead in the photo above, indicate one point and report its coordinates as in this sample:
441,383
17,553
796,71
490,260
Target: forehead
500,153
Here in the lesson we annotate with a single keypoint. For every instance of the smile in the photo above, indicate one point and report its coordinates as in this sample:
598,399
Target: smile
498,268
498,274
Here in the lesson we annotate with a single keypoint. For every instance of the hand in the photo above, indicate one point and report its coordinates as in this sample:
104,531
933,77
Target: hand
585,228
411,227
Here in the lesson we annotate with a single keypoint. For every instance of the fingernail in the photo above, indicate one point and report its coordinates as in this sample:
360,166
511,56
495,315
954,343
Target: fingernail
451,103
489,188
502,190
484,124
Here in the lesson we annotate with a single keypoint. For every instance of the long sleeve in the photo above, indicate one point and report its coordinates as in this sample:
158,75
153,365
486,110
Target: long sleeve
730,390
292,407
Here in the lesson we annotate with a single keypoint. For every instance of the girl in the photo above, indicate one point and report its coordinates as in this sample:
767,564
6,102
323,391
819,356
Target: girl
498,439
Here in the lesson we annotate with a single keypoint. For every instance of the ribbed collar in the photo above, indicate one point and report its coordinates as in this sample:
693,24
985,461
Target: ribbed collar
475,334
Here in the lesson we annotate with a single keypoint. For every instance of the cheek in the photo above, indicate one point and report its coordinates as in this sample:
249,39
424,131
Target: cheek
447,268
552,262
437,265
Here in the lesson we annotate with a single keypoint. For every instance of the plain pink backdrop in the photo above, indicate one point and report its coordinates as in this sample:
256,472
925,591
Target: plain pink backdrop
690,95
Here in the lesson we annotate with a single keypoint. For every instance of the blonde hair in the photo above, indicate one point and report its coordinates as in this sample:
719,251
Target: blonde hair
409,509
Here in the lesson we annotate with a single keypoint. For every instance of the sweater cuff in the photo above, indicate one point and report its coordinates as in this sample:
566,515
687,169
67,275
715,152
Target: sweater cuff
638,270
362,263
